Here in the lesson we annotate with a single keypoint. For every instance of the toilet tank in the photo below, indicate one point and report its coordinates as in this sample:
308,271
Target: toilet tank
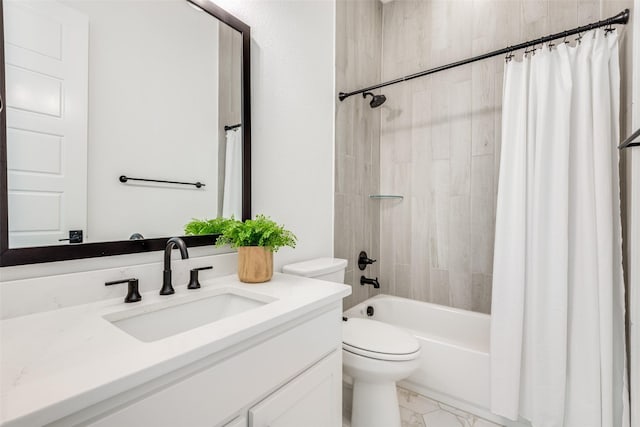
329,269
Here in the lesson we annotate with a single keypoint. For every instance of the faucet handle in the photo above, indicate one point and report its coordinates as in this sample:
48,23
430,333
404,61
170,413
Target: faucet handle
133,295
193,279
364,260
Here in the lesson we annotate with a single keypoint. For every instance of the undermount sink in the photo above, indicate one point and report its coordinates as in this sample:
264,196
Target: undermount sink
162,320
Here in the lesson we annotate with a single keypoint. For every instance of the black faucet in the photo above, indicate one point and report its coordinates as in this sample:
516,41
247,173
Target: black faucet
167,289
364,260
367,281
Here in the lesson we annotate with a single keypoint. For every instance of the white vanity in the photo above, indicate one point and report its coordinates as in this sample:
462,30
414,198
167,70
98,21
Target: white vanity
228,354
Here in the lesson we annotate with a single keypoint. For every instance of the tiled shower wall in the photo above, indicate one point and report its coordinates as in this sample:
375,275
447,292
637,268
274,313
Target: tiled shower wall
440,137
436,140
357,218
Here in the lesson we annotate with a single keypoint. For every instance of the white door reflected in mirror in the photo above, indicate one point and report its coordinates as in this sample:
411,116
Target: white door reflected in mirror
46,62
97,89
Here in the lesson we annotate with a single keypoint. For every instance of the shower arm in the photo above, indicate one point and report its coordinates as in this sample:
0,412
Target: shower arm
621,18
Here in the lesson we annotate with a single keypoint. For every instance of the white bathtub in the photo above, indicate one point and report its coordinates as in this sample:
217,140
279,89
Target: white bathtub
454,366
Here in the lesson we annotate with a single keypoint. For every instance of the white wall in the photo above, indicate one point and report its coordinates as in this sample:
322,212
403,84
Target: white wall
292,126
137,130
633,223
292,101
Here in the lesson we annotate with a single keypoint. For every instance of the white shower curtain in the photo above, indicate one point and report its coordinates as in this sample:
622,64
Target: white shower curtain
232,195
557,325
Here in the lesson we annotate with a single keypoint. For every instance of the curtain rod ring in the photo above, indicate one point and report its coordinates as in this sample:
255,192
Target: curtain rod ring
509,55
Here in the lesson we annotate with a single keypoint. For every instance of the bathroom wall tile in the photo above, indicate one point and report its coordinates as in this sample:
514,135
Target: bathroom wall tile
344,246
403,281
460,142
534,19
358,227
387,172
345,174
460,289
481,292
460,29
588,11
421,142
349,111
482,213
484,18
440,129
563,14
439,287
439,220
402,129
483,104
402,233
440,18
358,64
362,151
508,23
460,234
420,281
460,252
387,252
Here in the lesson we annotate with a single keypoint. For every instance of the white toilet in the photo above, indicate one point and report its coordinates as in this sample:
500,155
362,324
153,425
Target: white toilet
374,354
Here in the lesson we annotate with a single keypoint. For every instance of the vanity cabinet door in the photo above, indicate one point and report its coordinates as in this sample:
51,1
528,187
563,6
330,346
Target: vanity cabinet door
312,399
213,394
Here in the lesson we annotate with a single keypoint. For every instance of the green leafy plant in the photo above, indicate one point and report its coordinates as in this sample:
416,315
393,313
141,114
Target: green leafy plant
261,231
207,226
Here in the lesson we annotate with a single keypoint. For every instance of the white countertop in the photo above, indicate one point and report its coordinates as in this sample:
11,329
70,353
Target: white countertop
58,362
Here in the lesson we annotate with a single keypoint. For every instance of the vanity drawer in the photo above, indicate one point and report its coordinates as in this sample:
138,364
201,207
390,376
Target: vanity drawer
218,392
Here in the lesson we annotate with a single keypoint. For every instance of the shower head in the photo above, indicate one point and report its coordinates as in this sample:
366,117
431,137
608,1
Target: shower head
376,101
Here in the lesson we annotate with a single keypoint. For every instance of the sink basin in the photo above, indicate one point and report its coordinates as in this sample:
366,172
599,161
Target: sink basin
162,320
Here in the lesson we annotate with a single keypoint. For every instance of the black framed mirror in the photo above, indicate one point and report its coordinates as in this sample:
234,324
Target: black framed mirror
164,129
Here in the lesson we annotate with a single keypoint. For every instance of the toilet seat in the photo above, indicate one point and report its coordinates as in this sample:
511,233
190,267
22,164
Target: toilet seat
377,340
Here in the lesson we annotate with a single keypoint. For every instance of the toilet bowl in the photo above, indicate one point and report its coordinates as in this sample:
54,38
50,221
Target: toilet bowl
374,354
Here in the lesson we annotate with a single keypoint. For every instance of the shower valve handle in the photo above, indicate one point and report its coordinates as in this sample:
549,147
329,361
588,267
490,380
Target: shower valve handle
364,260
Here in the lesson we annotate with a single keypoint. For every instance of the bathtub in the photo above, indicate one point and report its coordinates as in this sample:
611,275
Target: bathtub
454,367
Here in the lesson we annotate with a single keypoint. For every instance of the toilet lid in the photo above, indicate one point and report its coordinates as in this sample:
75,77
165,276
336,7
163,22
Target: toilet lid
378,340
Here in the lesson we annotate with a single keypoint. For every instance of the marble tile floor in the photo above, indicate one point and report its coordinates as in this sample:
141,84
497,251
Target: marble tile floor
420,411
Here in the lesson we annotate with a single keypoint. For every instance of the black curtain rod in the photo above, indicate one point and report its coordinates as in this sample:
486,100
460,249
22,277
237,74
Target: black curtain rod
621,18
629,141
231,127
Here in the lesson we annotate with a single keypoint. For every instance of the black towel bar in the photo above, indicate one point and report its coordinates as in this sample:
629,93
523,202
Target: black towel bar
124,178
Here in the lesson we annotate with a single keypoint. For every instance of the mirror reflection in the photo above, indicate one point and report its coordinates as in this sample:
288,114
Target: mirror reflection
98,90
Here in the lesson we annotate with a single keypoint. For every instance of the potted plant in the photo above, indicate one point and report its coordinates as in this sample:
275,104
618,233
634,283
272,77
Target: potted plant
256,240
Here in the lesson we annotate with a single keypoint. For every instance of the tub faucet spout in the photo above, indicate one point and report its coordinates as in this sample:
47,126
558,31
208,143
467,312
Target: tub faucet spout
367,281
